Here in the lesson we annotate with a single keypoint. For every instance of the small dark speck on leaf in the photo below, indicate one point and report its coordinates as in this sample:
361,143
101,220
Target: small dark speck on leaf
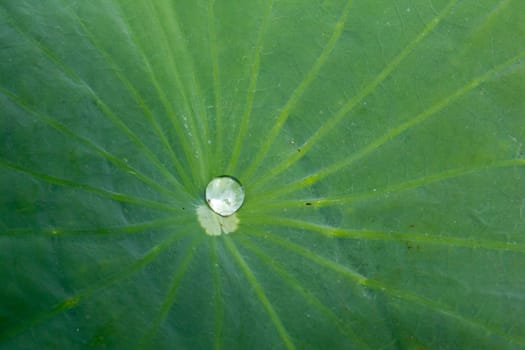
410,246
308,203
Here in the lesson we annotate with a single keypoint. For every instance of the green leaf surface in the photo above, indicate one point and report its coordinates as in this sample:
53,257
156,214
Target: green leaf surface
380,145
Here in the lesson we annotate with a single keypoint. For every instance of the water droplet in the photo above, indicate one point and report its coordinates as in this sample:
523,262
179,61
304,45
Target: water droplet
224,195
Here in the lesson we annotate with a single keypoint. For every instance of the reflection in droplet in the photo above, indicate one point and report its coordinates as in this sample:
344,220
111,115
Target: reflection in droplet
224,195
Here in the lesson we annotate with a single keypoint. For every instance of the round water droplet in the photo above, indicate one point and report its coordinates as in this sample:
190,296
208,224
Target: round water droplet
224,195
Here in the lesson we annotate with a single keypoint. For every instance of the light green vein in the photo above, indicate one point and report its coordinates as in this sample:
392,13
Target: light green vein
260,293
427,238
124,229
483,31
416,183
169,299
139,100
396,131
262,203
306,294
442,309
387,289
254,74
352,102
108,112
217,298
299,91
356,277
76,299
186,144
120,197
212,38
108,156
196,111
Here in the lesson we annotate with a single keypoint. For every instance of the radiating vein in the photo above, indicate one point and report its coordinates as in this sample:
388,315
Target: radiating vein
260,293
445,310
108,112
139,100
299,91
487,20
254,74
382,287
399,129
105,230
196,110
217,297
169,299
427,238
187,145
356,277
262,203
287,278
81,296
354,101
117,196
86,142
212,38
420,182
